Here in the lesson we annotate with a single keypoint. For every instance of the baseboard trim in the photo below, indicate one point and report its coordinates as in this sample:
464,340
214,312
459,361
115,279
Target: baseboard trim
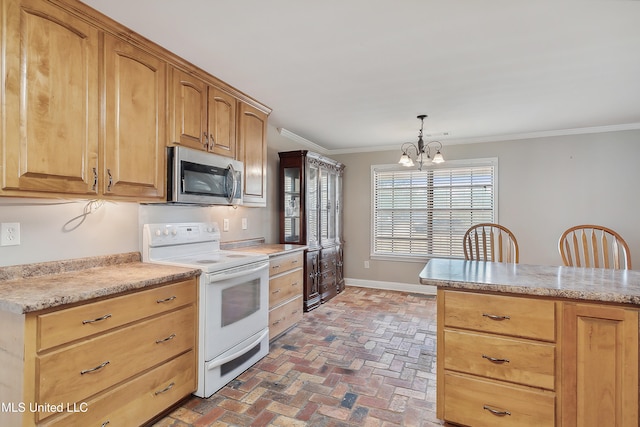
391,286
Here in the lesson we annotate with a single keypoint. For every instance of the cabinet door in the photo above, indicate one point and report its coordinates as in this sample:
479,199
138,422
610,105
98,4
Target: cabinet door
327,207
600,366
312,280
188,111
313,203
252,147
135,83
222,122
50,100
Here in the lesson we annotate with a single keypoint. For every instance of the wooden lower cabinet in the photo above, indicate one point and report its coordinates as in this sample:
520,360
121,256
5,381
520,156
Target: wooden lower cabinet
477,401
527,361
286,281
120,361
600,366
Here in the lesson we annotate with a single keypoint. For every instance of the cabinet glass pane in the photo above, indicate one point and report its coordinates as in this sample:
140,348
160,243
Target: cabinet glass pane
292,205
312,205
327,207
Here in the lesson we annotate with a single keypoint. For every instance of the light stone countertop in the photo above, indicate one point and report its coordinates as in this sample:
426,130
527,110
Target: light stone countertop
33,287
273,249
592,284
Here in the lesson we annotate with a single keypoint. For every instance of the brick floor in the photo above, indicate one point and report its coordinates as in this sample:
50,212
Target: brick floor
366,358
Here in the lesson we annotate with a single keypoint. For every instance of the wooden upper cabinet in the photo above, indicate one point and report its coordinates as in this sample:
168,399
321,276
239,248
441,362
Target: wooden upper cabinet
188,110
51,101
202,116
222,122
252,151
135,135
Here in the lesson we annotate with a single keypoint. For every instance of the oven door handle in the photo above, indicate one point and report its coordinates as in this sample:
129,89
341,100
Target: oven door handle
226,276
215,363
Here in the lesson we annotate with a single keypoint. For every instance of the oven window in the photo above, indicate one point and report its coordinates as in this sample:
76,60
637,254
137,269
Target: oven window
240,301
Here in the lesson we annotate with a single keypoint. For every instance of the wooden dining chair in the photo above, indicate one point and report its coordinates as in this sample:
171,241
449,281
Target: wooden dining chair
490,242
594,246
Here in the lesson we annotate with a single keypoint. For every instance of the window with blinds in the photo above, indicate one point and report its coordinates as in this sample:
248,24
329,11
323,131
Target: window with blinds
426,213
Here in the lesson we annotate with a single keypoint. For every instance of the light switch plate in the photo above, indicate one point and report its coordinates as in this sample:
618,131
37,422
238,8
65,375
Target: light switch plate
245,225
225,224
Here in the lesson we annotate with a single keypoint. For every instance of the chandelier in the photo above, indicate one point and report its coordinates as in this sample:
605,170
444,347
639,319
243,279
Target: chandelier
421,152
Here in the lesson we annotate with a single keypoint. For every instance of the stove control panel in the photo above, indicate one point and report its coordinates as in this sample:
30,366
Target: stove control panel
155,235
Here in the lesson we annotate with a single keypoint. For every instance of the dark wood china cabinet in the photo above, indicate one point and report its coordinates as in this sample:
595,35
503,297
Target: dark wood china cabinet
311,214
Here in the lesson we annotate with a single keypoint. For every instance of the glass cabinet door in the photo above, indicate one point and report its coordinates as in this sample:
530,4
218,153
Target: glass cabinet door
327,207
291,206
313,220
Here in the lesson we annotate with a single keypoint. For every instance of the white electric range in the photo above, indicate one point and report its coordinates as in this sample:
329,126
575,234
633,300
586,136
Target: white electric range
233,298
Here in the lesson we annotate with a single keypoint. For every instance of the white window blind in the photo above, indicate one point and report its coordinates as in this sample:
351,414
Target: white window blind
426,213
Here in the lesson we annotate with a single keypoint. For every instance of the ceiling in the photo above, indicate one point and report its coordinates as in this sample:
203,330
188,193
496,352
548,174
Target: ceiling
352,75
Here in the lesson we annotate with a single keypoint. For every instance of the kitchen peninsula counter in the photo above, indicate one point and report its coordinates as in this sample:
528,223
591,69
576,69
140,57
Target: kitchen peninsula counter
535,345
32,287
592,284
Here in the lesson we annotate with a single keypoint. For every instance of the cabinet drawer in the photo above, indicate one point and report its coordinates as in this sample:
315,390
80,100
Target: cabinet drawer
283,263
328,259
470,400
60,327
510,359
283,317
283,287
520,317
138,400
122,354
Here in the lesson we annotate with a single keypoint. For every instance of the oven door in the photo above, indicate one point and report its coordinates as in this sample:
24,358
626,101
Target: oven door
236,307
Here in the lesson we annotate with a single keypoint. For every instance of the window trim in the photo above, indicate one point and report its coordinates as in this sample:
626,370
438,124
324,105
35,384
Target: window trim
449,164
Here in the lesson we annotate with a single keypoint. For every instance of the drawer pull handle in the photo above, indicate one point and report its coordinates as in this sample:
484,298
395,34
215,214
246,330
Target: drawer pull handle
276,322
97,368
166,389
170,337
275,291
495,317
294,283
275,266
171,298
104,424
495,360
496,411
105,317
295,261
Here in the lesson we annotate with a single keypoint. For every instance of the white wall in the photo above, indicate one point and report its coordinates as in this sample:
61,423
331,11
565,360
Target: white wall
545,186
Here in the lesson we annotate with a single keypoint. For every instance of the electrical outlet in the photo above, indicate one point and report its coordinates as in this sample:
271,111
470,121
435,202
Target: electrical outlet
9,233
244,224
225,224
366,264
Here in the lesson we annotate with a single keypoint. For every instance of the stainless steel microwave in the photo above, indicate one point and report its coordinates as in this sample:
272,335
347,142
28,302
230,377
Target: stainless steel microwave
203,178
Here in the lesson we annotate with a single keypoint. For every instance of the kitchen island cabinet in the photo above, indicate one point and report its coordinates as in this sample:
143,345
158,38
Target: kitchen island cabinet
536,345
94,341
